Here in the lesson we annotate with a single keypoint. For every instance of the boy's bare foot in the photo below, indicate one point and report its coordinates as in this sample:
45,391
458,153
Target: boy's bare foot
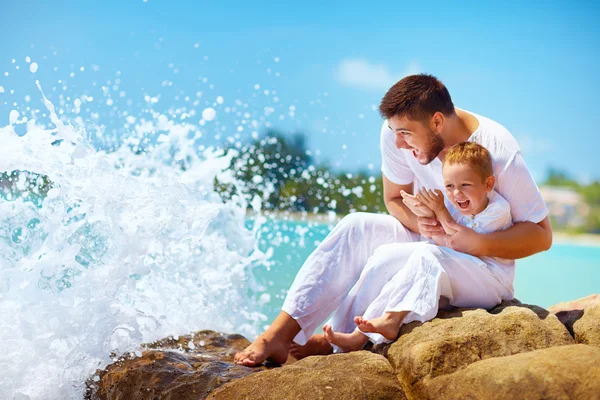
345,341
386,326
316,345
263,349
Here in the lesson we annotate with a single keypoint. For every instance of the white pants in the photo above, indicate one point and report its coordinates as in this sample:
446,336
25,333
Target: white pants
371,263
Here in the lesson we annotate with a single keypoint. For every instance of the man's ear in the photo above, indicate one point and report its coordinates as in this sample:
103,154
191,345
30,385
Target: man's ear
437,122
489,183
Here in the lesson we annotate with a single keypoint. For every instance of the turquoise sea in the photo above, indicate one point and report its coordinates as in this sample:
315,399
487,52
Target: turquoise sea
565,272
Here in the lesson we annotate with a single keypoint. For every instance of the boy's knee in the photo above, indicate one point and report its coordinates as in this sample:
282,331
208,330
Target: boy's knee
427,250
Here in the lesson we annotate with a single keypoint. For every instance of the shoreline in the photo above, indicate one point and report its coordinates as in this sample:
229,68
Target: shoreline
580,239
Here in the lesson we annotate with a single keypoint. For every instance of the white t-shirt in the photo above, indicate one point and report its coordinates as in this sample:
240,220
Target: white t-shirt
513,180
495,217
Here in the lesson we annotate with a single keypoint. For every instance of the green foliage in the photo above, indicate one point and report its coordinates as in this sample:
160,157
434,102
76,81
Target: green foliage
560,178
589,192
278,169
265,165
341,193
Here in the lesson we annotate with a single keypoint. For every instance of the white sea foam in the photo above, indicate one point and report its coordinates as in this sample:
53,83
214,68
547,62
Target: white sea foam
125,248
209,114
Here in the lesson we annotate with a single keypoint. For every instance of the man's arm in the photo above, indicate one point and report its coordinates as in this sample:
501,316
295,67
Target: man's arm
396,208
523,239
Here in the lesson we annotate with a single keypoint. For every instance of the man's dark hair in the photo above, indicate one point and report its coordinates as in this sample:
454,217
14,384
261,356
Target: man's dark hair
417,97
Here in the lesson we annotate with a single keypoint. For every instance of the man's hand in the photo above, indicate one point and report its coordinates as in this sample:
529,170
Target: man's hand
433,199
414,205
465,240
430,227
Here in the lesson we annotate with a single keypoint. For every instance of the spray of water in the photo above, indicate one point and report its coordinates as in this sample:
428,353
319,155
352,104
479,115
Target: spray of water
105,250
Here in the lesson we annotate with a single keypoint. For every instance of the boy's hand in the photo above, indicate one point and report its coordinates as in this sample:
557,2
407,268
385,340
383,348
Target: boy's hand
414,205
433,199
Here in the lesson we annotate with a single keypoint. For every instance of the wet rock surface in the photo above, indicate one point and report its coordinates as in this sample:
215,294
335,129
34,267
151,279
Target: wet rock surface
186,367
511,350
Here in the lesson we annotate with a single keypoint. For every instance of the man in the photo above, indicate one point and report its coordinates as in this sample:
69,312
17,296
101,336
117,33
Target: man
421,125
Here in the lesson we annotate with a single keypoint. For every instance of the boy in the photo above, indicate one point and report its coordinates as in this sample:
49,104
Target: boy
413,291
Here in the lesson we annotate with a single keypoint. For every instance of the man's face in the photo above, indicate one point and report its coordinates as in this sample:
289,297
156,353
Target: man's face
417,137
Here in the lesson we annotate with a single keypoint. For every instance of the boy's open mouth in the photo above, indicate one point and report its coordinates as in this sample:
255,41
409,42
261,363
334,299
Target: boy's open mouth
464,204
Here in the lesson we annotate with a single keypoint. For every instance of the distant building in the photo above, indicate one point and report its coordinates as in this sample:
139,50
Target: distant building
567,207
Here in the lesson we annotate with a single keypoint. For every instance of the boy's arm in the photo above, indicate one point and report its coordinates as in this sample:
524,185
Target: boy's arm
446,219
434,199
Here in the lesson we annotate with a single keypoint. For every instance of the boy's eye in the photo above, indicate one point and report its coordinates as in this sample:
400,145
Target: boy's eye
448,186
466,184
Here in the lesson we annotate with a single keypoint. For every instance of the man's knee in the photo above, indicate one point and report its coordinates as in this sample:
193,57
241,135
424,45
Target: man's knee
357,220
387,260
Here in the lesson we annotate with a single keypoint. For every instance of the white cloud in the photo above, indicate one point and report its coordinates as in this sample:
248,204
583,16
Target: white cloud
360,73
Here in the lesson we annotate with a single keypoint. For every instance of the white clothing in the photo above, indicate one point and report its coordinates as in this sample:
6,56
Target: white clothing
513,180
414,277
495,217
362,242
334,267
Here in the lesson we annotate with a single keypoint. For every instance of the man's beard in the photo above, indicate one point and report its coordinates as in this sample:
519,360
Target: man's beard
436,145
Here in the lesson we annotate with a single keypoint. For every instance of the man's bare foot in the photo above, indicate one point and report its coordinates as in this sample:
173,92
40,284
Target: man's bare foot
385,325
316,345
263,349
345,341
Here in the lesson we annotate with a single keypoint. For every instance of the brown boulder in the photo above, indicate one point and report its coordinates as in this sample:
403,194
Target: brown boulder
357,375
564,372
582,318
456,339
579,304
186,367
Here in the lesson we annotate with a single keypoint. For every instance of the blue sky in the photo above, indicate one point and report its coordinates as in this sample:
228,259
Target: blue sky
532,67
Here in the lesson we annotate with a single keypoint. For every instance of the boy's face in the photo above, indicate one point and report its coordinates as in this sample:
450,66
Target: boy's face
420,138
466,189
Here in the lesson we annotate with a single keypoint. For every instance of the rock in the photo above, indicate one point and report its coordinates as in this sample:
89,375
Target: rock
428,360
578,304
582,318
587,329
173,369
564,372
456,339
357,375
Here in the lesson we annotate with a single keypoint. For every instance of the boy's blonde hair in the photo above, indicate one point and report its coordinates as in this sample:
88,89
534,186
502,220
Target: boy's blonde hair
473,155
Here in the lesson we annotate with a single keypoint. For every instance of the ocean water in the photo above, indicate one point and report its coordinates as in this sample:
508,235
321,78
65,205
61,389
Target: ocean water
565,272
